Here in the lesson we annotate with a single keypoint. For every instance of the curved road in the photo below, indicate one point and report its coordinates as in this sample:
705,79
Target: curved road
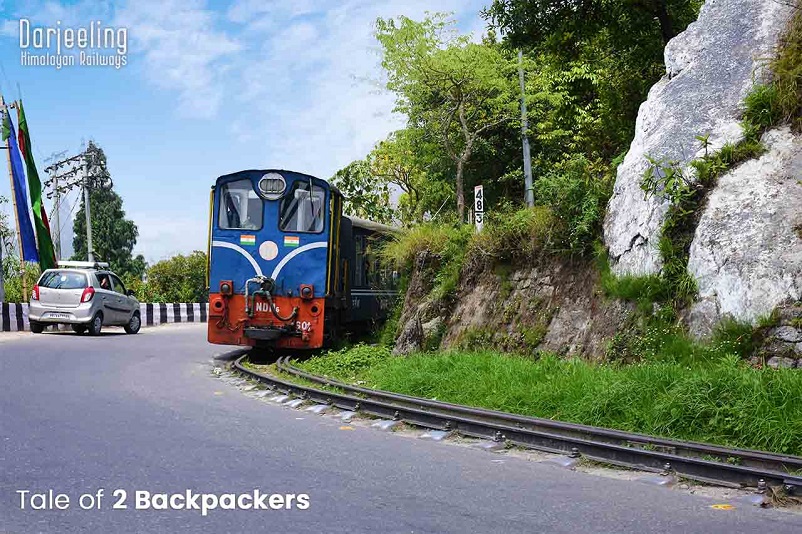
144,413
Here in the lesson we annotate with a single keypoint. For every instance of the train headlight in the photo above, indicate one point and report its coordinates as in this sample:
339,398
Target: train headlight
272,186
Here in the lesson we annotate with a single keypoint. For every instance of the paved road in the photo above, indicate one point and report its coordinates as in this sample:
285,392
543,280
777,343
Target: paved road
144,413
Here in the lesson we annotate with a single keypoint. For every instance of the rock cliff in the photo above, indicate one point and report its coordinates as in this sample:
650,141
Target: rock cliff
747,251
711,67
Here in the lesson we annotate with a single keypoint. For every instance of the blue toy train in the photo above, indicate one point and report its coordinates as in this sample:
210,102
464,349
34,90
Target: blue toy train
286,268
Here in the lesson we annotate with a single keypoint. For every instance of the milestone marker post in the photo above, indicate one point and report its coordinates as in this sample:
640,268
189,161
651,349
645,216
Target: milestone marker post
479,207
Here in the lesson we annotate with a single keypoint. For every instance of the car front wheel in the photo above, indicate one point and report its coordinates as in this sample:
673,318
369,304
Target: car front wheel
37,328
96,324
134,324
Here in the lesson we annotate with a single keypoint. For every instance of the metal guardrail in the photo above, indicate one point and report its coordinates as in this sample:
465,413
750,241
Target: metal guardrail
697,461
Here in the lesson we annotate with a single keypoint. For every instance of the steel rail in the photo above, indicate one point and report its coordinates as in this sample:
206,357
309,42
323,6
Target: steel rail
688,459
744,457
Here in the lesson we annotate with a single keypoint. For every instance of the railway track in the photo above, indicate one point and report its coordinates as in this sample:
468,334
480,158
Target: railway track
697,461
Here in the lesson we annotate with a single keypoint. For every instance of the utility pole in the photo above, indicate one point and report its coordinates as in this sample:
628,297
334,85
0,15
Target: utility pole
529,193
56,212
89,250
76,175
90,255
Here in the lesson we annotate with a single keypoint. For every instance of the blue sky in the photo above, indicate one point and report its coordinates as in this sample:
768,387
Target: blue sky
211,88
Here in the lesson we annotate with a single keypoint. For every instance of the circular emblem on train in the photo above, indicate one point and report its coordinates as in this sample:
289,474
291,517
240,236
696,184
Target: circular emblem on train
272,186
268,250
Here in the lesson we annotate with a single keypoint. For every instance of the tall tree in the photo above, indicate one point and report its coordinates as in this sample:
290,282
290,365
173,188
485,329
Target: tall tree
113,236
559,22
447,84
366,195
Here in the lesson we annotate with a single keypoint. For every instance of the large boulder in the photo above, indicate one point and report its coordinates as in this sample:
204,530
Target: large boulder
746,255
711,67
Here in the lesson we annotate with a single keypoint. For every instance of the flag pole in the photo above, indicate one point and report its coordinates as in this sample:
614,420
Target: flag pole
4,109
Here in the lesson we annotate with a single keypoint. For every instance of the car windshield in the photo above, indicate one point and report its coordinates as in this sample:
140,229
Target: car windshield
63,280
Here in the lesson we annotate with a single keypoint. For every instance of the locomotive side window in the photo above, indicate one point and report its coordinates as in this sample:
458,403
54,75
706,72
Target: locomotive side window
302,209
240,206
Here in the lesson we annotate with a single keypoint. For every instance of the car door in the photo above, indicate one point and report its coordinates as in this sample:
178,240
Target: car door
125,303
109,299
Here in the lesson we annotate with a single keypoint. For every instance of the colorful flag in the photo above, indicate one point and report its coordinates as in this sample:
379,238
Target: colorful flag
247,239
47,255
291,241
25,228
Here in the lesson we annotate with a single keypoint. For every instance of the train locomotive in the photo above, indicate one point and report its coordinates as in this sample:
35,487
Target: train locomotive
286,268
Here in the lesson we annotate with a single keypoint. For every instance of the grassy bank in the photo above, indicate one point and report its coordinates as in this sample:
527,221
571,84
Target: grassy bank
723,401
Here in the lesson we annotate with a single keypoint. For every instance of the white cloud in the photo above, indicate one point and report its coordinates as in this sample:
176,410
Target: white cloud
294,75
161,237
42,12
183,49
314,80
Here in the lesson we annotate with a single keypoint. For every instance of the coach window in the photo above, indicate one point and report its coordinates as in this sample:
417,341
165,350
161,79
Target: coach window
240,206
302,209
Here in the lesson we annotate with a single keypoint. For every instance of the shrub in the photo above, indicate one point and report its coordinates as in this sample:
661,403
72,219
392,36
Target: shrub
513,235
346,363
178,279
12,277
448,243
762,106
577,192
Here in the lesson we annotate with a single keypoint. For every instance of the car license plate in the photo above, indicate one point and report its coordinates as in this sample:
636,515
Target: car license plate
54,315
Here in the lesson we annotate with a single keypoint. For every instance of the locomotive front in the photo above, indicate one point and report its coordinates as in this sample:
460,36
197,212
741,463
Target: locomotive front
269,257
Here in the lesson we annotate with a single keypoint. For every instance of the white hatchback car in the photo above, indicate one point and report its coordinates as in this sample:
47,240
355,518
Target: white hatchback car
85,295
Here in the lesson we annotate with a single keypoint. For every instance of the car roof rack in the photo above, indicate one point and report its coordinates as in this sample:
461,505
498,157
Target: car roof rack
84,264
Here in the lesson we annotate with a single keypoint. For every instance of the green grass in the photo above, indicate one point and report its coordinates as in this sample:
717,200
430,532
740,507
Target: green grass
446,244
509,235
720,401
787,72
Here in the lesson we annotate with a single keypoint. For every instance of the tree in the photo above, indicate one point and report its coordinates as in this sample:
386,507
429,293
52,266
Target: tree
6,232
557,22
397,160
603,55
113,236
366,195
178,279
447,84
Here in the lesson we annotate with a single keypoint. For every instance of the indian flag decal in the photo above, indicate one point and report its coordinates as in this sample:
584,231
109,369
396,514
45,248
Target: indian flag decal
291,240
247,240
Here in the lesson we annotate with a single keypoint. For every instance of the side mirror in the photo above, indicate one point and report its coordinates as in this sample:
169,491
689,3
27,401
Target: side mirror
130,293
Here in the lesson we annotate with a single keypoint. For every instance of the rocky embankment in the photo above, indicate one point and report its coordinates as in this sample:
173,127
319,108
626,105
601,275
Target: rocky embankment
782,346
746,254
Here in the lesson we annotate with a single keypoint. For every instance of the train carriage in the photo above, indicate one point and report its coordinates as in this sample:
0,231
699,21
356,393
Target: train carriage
286,268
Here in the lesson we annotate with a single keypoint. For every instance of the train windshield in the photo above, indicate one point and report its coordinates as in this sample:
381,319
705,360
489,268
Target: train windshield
240,206
302,209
